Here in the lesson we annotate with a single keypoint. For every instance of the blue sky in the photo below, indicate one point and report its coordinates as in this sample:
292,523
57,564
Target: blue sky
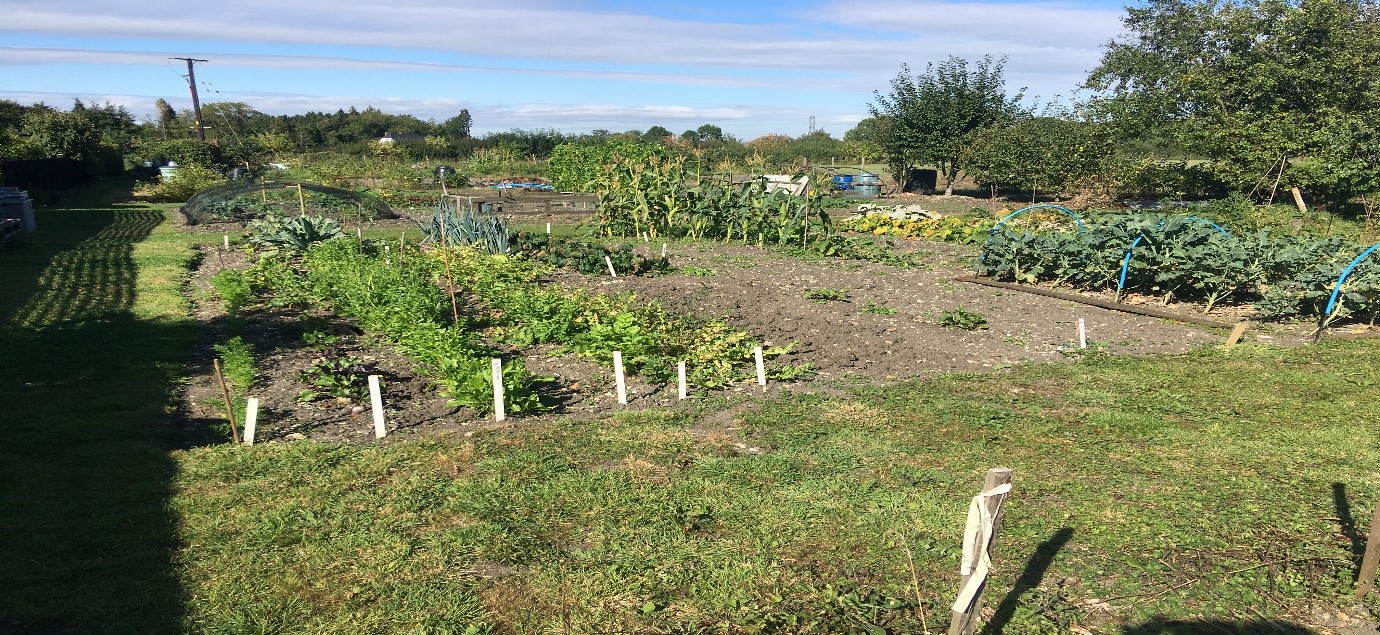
750,67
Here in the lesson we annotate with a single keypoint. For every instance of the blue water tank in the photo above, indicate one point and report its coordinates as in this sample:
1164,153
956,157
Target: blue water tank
843,181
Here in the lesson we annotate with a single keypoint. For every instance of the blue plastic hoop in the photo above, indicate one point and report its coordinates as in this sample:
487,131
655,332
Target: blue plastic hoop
1075,217
1126,260
1337,288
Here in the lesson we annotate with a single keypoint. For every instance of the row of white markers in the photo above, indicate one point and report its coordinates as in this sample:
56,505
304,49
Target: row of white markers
251,413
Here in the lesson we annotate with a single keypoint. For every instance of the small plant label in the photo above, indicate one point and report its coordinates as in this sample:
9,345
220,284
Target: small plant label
1236,334
680,378
663,250
376,400
761,368
548,229
499,414
227,241
1082,333
609,262
251,418
618,377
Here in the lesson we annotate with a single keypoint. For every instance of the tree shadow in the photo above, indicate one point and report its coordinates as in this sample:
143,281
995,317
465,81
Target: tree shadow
1030,578
84,391
1211,626
1347,523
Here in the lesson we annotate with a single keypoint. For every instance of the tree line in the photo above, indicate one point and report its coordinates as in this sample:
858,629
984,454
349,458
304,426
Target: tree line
1198,97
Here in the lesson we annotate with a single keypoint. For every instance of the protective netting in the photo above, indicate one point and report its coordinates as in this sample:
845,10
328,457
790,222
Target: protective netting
248,199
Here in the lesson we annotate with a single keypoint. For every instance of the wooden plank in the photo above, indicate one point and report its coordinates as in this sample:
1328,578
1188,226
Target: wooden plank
1097,302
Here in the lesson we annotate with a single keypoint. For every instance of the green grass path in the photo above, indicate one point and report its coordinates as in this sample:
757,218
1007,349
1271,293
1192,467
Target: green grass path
92,337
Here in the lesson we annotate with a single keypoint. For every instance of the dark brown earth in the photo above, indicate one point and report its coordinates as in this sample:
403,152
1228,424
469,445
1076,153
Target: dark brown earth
764,292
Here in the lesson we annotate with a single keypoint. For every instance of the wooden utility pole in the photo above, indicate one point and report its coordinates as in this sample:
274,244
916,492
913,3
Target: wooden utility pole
196,101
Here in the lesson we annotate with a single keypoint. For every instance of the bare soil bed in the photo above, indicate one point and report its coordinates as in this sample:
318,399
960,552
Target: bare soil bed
765,292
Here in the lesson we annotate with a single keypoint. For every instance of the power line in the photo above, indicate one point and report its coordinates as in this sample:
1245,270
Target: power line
196,101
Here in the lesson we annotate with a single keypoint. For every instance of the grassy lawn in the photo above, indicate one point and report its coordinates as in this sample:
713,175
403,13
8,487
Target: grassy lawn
1211,486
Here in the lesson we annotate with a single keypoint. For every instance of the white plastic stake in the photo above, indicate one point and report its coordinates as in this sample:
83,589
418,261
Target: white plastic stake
645,238
618,377
1082,334
251,417
499,414
663,250
609,262
680,379
227,241
761,368
548,229
376,399
359,231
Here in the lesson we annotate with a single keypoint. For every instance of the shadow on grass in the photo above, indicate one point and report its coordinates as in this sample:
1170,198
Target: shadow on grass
1030,578
84,391
1347,523
1209,626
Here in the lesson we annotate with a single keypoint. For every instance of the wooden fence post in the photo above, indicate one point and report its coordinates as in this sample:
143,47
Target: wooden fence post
979,534
1365,581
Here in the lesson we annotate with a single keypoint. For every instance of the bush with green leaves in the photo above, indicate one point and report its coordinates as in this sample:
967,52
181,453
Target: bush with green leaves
188,180
576,167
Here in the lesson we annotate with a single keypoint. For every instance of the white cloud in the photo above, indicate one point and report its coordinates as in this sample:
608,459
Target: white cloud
901,32
31,56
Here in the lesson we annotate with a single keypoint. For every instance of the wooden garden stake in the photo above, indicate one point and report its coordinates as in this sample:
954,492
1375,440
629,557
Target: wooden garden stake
229,407
979,534
1082,333
301,201
251,419
226,242
359,232
1236,334
609,262
618,377
761,368
1365,581
376,400
263,194
680,379
450,282
497,365
1298,200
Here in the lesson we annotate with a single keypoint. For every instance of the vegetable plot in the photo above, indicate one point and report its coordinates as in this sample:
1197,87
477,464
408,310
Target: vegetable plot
1187,258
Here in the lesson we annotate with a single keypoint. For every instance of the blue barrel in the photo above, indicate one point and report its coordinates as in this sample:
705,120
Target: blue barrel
843,181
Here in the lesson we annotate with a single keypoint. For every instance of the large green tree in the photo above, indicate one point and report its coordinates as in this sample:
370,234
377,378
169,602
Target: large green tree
930,117
1053,153
1269,91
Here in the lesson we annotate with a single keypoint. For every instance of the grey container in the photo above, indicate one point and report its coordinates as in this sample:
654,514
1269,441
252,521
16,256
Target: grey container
15,203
